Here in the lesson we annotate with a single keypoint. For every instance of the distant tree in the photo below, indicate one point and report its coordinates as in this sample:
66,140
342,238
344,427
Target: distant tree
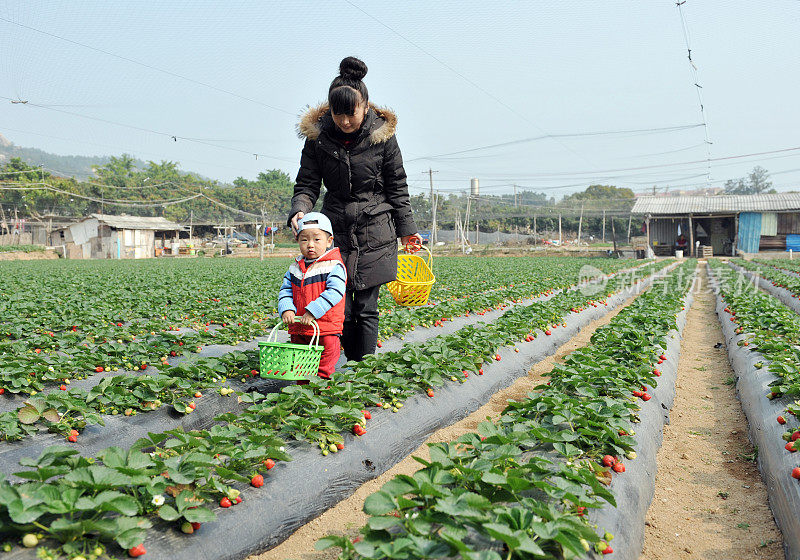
757,182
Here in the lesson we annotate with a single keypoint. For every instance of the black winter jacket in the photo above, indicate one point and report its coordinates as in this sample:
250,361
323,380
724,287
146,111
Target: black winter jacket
367,195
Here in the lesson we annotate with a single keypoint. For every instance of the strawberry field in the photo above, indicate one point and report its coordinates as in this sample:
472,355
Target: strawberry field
133,420
157,357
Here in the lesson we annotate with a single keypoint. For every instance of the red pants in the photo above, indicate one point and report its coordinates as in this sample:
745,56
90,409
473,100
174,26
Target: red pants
330,353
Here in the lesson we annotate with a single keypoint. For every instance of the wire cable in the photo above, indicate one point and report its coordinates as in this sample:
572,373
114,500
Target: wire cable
149,66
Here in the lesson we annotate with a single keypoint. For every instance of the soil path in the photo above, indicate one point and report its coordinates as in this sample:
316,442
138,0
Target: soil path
346,518
710,502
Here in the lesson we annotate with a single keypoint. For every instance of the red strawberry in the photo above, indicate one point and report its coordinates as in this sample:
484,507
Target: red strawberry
269,463
367,414
646,397
795,436
480,371
656,373
198,394
73,433
72,439
662,357
2,390
497,357
781,420
195,525
257,481
63,387
608,461
238,500
430,393
638,394
796,472
618,467
359,430
253,372
339,446
173,353
547,332
581,510
99,369
38,350
608,550
790,447
137,551
225,502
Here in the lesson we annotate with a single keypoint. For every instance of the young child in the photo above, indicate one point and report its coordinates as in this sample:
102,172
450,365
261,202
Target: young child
313,289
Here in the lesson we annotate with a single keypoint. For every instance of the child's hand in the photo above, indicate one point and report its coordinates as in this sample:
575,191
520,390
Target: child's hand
288,317
307,318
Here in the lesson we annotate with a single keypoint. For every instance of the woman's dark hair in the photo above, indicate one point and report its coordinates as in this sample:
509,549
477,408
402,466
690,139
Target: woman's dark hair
343,95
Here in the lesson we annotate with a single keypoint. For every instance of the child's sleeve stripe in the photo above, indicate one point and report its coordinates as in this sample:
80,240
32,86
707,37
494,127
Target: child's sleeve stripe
285,297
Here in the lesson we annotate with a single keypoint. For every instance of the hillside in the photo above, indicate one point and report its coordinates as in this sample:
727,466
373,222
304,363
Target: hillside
75,166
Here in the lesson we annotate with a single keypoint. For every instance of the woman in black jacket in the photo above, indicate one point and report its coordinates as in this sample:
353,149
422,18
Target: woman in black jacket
351,148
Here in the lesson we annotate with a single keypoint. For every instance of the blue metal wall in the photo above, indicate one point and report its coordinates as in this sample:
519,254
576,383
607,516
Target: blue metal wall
749,231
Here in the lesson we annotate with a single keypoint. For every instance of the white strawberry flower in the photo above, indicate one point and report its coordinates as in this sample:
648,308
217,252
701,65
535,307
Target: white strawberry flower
158,500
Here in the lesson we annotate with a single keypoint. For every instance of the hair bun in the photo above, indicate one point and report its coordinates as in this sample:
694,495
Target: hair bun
352,68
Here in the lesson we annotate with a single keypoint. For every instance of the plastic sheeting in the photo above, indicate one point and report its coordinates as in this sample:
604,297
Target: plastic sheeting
769,224
765,433
634,491
298,491
793,242
749,232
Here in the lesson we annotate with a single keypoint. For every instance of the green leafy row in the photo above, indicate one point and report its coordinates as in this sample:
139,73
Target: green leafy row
197,467
519,487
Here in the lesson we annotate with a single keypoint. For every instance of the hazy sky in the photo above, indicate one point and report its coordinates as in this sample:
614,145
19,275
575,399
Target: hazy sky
233,76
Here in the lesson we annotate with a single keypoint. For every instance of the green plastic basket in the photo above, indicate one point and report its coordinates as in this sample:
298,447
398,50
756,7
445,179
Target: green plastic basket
284,360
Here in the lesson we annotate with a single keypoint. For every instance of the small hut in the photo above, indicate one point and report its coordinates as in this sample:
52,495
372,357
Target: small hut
722,224
102,236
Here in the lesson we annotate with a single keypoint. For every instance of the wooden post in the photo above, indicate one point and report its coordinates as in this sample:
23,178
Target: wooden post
191,224
604,225
647,226
534,228
630,219
613,233
261,235
559,230
580,225
691,237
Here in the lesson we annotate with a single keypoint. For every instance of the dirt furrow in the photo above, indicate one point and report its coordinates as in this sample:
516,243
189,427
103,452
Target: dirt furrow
710,502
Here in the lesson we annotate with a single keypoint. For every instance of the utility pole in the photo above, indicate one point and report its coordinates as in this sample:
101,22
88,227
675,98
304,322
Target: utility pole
515,196
559,229
433,207
604,225
580,225
630,219
261,235
534,228
434,237
191,224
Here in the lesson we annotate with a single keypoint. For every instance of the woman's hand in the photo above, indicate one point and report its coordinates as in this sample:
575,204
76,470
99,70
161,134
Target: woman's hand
295,219
287,317
413,238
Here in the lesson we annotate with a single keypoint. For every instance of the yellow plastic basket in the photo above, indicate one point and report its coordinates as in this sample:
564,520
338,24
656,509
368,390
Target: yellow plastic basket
414,278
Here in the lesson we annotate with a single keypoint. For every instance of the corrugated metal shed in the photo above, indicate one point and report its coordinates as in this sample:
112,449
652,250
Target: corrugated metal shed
138,222
667,205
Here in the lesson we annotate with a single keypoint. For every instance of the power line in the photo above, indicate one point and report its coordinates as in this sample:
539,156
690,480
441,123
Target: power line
462,76
698,87
149,66
564,135
174,137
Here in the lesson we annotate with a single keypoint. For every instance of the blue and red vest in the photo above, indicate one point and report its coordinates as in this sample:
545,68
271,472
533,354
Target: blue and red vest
308,282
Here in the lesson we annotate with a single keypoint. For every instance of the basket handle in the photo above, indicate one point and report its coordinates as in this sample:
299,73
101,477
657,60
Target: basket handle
414,247
314,339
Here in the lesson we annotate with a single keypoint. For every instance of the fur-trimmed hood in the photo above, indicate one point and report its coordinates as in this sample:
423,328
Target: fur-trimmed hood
310,125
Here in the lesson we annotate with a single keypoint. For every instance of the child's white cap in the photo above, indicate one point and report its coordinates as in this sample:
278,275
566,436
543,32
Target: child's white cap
316,220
